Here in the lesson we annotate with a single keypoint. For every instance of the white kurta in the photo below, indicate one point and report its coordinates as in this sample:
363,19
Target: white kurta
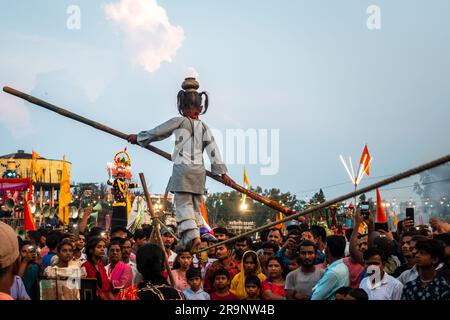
192,137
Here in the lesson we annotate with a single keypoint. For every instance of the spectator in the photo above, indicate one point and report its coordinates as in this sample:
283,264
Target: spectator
431,284
119,273
125,246
336,274
18,291
95,250
386,245
140,238
150,263
407,254
309,235
250,265
289,249
79,257
252,288
357,247
195,290
293,265
413,273
182,264
29,270
357,294
9,254
378,284
341,293
221,233
273,288
276,237
241,245
202,260
223,261
300,282
51,242
320,237
269,248
118,232
445,238
169,243
63,290
221,280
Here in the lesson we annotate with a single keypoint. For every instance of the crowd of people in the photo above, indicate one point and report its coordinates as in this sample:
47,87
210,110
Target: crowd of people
305,262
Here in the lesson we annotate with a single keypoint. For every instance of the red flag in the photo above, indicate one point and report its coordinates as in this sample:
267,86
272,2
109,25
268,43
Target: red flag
28,220
365,160
381,215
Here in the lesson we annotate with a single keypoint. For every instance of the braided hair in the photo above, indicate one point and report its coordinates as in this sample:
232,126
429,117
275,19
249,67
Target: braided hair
189,98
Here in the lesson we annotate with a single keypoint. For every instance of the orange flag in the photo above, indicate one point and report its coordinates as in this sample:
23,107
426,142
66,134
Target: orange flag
279,216
203,211
35,170
381,215
365,160
395,221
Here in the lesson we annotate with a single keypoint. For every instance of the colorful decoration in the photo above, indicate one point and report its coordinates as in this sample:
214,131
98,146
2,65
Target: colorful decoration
120,170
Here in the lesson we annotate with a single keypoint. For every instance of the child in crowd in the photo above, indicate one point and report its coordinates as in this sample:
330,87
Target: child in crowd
183,262
221,283
195,292
253,288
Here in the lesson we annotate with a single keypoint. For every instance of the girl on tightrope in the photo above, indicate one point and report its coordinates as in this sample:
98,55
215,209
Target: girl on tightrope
192,137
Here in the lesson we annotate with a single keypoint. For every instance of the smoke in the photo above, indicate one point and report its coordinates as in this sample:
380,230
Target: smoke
149,34
434,189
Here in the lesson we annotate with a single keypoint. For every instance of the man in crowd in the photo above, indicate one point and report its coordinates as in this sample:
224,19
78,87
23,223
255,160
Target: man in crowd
405,247
412,274
430,284
357,247
300,282
169,242
223,261
276,237
240,246
125,247
378,284
221,233
51,241
336,274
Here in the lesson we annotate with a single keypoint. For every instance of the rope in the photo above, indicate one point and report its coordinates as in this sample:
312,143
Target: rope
395,178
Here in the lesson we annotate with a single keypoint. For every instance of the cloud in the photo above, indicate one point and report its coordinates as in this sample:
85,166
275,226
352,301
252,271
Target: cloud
15,116
149,34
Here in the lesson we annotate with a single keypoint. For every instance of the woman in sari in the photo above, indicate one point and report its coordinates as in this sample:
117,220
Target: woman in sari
95,250
120,274
250,265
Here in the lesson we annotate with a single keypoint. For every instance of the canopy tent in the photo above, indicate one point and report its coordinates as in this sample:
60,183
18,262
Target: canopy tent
22,184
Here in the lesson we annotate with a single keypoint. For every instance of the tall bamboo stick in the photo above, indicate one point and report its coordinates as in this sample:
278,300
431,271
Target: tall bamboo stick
270,203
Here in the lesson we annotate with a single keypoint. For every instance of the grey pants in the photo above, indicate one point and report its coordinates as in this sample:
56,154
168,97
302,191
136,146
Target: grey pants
187,210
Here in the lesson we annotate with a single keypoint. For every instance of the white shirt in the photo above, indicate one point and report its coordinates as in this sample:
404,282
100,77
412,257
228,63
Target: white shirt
389,288
412,274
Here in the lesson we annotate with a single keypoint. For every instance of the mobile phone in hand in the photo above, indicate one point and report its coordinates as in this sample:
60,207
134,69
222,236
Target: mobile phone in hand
364,208
410,214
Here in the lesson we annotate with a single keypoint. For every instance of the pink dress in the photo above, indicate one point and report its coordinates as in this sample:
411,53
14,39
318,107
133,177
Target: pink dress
121,277
180,280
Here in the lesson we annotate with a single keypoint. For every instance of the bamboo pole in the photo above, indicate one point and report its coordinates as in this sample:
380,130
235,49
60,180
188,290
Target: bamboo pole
270,203
156,230
400,176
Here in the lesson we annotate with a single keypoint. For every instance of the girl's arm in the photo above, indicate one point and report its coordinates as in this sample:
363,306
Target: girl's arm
161,132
